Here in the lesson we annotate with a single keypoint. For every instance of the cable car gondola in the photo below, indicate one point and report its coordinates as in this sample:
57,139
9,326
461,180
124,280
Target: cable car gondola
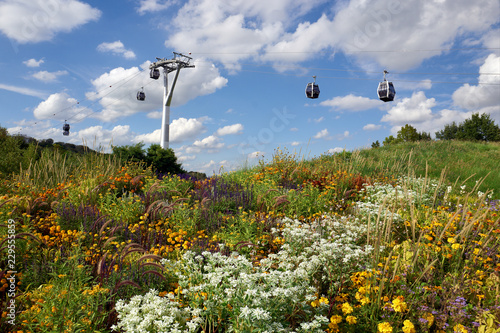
154,73
141,95
385,90
312,89
66,129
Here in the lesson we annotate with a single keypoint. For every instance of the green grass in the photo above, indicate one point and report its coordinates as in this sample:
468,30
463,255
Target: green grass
462,162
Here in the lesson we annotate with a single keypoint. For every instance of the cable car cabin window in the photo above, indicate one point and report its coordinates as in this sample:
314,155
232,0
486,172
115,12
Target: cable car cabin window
312,90
66,127
154,74
66,133
141,95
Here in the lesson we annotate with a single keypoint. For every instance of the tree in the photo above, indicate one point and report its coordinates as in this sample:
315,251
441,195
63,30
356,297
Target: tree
163,160
479,128
408,133
390,140
476,128
376,144
133,153
449,132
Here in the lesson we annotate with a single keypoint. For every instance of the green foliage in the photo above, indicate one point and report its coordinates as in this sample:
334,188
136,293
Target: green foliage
376,144
449,132
408,133
476,128
390,140
163,160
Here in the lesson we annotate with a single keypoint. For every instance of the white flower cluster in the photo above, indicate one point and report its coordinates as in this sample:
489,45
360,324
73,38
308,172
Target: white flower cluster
256,298
380,199
151,313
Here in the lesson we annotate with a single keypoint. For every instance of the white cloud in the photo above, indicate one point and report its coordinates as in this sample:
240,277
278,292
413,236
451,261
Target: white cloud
256,155
294,129
295,143
371,127
33,62
230,129
415,109
116,48
155,115
343,136
485,96
181,129
104,138
45,76
28,21
120,100
154,5
318,120
335,150
425,84
211,143
23,91
364,25
60,106
323,134
272,32
351,103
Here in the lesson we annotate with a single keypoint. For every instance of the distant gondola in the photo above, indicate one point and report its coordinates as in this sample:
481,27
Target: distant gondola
385,90
66,129
141,95
154,73
312,89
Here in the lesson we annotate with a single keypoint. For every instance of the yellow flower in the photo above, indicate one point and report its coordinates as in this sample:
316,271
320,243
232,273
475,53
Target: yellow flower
408,327
399,305
459,328
451,240
336,319
347,308
429,317
384,327
352,320
456,246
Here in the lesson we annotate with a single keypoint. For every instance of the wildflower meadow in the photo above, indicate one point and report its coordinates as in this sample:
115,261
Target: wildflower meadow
335,243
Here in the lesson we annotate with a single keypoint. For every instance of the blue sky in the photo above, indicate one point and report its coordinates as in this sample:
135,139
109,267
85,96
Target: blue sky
84,61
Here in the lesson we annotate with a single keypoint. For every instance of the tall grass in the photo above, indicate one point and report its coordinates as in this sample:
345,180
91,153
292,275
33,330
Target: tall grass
55,167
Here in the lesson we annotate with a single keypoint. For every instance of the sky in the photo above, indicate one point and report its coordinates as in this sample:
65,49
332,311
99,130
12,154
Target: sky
83,62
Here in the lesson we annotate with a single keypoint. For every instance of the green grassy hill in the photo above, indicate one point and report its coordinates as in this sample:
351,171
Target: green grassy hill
462,162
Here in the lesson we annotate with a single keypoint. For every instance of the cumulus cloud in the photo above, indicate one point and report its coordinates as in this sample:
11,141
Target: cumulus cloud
45,76
295,143
28,21
211,143
351,103
116,48
414,109
153,5
484,97
181,130
98,136
371,127
33,62
120,100
323,134
335,150
60,106
277,31
230,129
363,25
